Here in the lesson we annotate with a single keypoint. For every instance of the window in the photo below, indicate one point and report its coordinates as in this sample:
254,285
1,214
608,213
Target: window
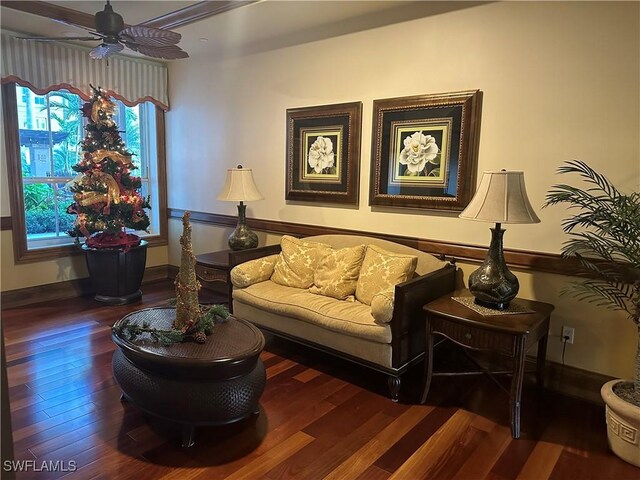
47,130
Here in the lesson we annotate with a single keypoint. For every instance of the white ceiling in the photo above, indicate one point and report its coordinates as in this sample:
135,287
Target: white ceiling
133,12
265,25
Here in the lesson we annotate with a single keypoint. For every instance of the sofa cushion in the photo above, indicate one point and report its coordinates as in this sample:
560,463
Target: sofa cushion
298,262
378,353
382,306
253,271
426,263
349,318
383,270
337,273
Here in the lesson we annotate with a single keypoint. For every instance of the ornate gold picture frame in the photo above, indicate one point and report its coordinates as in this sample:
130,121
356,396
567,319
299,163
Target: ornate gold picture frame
323,153
424,150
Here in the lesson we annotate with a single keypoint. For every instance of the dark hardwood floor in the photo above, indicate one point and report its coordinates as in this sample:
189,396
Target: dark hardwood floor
320,418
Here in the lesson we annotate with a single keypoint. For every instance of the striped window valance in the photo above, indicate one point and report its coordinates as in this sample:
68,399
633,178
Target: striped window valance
47,66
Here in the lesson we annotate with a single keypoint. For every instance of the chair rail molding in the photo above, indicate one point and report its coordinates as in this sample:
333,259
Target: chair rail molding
526,260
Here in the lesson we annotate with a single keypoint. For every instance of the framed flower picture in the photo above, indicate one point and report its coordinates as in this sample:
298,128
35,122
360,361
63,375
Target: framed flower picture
323,153
424,150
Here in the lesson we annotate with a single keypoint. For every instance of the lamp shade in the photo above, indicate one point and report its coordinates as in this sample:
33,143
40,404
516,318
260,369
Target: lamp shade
501,198
239,186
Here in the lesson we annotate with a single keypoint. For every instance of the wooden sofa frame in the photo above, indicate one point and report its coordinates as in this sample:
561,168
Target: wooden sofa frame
407,323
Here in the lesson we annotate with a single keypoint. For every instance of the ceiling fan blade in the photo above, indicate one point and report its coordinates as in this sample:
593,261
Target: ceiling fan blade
51,39
105,50
143,35
168,52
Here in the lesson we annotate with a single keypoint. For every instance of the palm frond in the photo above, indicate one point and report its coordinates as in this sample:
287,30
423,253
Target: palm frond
576,197
606,271
604,238
599,248
602,294
594,211
591,176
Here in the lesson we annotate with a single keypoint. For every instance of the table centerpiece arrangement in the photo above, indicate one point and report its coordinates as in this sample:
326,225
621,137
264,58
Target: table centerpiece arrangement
215,381
193,322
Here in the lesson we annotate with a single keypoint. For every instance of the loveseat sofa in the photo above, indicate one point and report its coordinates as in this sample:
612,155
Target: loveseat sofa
357,297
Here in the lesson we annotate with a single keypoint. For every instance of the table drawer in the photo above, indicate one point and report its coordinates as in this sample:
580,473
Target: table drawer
210,274
477,338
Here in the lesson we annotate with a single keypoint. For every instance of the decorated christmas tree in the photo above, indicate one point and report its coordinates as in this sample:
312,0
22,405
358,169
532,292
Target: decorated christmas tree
106,196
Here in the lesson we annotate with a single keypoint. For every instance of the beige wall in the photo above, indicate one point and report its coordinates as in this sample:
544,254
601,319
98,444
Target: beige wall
560,81
25,275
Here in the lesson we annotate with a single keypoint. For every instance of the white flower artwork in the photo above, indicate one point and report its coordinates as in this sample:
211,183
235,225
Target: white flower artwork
419,149
321,155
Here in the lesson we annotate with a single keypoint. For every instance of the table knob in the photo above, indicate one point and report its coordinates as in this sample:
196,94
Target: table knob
467,336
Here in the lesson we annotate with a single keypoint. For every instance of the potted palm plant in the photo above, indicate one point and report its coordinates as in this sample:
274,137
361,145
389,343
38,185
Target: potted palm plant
107,202
605,239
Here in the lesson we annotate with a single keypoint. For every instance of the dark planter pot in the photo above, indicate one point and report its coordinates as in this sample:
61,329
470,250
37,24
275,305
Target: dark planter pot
116,275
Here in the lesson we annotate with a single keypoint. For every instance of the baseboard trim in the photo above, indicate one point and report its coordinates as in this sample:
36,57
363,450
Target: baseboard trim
71,288
575,382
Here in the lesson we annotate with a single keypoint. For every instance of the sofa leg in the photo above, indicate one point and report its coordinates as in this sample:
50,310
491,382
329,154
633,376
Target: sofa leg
394,387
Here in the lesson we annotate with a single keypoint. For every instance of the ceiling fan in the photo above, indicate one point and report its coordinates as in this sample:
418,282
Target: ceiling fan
115,36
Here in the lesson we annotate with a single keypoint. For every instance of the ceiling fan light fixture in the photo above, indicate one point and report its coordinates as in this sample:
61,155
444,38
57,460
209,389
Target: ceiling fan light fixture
111,30
105,50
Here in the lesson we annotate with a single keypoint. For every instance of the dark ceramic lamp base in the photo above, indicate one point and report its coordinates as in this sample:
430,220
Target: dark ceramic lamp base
492,305
493,285
242,238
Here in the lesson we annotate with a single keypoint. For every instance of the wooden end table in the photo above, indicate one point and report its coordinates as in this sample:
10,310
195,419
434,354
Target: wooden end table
215,267
510,335
214,383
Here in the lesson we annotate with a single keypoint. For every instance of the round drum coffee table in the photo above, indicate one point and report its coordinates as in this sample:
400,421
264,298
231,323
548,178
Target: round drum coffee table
214,383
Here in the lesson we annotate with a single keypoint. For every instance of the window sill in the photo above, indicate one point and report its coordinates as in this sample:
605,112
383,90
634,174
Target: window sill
51,253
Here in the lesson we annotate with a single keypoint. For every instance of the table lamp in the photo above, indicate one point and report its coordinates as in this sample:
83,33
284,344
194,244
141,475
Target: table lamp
501,198
240,187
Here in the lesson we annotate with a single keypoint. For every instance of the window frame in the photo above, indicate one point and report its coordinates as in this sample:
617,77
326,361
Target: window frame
21,252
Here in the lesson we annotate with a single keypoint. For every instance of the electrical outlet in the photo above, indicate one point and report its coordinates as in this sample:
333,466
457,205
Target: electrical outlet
567,334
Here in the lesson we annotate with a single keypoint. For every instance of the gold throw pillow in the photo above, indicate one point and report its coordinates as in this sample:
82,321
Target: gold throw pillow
337,273
253,271
382,306
383,270
297,262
